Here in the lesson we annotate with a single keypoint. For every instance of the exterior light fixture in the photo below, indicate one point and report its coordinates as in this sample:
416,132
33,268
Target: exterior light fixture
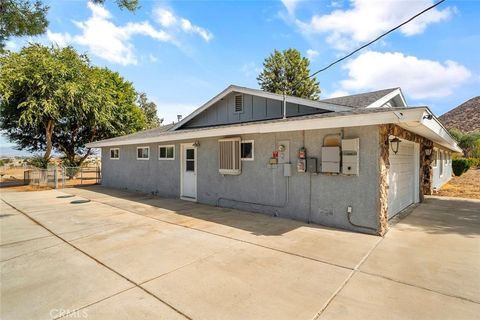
428,152
394,144
428,117
196,143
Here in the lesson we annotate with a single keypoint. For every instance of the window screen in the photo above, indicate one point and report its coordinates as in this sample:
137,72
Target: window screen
229,156
166,152
143,153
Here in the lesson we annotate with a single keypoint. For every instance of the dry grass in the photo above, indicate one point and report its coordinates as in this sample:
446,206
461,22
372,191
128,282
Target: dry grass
465,186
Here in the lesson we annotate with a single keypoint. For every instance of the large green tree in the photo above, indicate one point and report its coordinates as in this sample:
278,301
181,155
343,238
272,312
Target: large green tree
29,17
288,72
149,109
469,142
52,98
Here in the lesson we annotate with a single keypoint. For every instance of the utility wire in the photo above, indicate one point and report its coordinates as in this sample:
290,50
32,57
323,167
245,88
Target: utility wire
369,43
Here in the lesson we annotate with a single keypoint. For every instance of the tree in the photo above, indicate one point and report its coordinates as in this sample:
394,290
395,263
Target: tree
29,18
149,109
288,72
469,142
52,98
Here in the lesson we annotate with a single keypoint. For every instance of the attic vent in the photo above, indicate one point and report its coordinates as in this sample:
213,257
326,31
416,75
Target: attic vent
239,103
229,156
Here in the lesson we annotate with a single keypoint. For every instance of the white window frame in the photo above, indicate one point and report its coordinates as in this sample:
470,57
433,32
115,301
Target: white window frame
166,146
442,164
110,152
239,163
144,147
253,150
436,156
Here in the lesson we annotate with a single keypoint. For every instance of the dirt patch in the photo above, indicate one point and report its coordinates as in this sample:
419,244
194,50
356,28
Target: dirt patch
22,188
465,186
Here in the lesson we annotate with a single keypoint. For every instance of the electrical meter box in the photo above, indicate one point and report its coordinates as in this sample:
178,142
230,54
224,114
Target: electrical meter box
312,165
331,159
350,151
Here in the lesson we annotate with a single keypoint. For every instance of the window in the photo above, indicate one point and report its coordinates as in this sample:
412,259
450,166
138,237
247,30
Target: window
239,103
441,163
166,152
190,160
143,153
229,156
115,153
435,158
247,152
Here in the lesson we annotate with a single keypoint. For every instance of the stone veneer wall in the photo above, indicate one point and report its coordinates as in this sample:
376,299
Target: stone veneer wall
384,163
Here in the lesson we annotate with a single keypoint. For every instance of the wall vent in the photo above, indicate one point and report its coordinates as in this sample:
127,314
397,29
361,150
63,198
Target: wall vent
239,103
229,156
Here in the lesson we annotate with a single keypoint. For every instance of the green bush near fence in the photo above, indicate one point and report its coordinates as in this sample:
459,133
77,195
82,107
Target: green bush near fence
460,166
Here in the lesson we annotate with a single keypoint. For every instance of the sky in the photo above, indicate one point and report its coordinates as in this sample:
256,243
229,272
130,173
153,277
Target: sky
182,53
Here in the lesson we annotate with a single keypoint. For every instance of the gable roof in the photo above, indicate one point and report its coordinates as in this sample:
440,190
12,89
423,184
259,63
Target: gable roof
410,118
260,93
369,99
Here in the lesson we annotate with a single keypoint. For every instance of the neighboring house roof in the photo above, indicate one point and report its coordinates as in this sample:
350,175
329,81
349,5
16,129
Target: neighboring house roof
465,117
412,119
369,99
260,93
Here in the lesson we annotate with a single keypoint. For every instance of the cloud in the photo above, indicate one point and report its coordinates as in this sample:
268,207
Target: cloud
291,5
367,19
312,54
250,69
60,39
338,93
420,78
113,42
167,19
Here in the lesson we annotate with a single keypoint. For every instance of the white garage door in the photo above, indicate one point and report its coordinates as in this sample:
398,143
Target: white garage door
403,180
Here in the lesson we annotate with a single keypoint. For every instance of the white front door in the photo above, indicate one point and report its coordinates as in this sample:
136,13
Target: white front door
188,172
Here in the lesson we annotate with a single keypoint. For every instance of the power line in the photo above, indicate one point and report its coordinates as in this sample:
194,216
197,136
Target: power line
369,43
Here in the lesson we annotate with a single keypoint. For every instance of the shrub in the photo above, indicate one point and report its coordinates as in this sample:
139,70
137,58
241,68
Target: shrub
460,166
473,162
38,161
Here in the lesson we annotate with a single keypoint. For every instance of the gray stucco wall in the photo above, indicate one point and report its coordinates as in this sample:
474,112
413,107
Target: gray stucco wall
254,108
318,198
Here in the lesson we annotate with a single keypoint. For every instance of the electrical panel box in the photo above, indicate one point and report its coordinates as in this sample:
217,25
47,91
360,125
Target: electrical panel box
331,159
283,148
312,165
287,169
350,160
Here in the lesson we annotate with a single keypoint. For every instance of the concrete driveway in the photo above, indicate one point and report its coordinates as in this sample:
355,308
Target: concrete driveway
98,253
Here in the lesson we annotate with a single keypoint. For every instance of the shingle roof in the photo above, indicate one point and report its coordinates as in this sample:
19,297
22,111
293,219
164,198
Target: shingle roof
361,100
162,132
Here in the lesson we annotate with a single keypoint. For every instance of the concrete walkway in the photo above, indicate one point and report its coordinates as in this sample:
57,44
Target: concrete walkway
98,253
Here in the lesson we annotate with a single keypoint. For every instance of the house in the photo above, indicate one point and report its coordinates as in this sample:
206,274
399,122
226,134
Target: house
350,162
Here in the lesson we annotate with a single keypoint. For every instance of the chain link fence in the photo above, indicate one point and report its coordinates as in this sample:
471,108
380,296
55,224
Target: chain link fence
62,177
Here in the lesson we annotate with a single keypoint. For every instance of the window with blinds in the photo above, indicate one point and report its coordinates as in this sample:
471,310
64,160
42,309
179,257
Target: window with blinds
229,156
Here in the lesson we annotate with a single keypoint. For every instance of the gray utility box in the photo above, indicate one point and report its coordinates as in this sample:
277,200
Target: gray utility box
312,165
350,150
331,159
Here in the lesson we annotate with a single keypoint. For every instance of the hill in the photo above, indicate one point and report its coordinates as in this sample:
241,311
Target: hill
465,117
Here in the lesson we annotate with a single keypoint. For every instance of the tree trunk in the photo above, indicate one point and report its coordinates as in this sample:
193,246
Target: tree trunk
84,157
48,133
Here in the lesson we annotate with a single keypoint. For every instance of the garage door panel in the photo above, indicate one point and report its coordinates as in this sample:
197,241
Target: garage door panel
402,180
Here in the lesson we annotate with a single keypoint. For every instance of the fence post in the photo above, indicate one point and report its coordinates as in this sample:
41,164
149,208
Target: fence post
55,177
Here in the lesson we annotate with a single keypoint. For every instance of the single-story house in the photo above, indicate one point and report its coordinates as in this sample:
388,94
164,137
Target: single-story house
351,162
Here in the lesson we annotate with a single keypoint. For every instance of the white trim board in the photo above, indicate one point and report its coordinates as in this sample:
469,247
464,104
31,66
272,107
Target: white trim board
410,119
